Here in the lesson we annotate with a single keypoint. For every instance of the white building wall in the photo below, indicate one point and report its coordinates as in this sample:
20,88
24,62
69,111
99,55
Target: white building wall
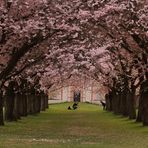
67,93
65,96
87,94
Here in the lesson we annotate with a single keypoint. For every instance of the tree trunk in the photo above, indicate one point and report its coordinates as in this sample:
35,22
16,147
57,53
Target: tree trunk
123,105
107,102
145,102
113,100
28,104
24,105
32,104
110,101
132,109
118,103
141,104
18,106
10,111
1,109
46,101
43,107
38,99
140,108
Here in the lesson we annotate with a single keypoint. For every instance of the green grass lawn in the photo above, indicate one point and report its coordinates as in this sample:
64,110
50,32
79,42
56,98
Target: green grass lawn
87,127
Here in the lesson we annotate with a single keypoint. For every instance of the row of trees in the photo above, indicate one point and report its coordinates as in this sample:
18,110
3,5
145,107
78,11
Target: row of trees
22,99
48,42
130,61
19,100
126,90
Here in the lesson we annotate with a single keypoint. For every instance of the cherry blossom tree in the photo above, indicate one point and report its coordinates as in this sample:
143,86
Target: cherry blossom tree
54,41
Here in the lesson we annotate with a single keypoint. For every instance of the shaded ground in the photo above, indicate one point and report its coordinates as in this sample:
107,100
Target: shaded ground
87,127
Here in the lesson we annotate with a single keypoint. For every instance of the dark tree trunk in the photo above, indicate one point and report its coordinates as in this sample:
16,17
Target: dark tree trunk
123,105
113,100
1,109
38,103
20,107
43,102
140,108
143,104
110,101
32,104
46,101
35,104
144,93
125,101
29,104
145,109
24,105
118,103
132,108
10,112
10,108
108,98
17,106
107,102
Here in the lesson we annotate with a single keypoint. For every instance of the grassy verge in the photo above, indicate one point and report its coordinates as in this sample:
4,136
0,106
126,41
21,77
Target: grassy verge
87,127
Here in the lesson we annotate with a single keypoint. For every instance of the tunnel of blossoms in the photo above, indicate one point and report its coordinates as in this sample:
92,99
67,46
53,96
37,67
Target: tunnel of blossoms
45,44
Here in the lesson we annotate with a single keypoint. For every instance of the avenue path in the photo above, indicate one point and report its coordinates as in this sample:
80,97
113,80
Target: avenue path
87,127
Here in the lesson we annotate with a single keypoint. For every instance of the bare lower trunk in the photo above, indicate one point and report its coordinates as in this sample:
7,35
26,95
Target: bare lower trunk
139,116
16,111
17,104
113,101
107,102
1,109
38,103
24,105
32,104
43,102
46,101
141,105
28,104
110,101
124,103
116,104
132,108
145,103
10,104
20,107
